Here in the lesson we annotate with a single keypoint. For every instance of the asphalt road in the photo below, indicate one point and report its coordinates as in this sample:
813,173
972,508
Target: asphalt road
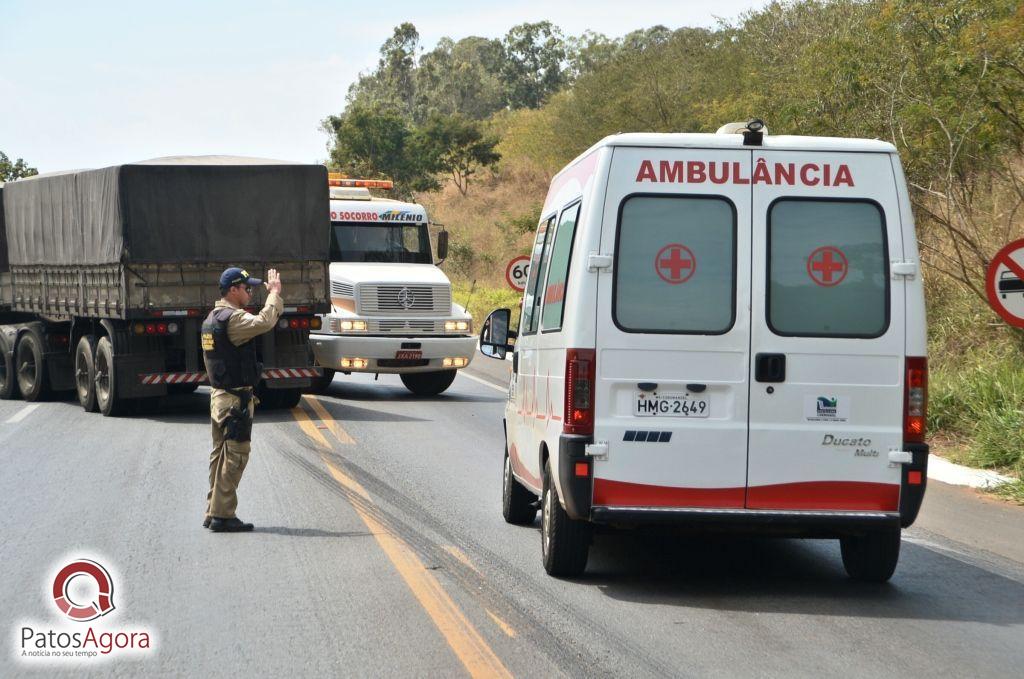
380,551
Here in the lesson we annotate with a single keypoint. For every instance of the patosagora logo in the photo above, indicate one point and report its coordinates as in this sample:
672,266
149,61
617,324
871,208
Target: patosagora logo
82,590
83,612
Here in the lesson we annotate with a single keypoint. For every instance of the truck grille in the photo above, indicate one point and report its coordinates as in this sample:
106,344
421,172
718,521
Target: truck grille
375,299
342,289
406,326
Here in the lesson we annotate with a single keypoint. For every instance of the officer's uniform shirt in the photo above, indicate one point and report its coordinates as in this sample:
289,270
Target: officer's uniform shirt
243,326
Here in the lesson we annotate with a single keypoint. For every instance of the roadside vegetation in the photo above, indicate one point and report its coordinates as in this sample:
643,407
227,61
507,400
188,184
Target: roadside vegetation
488,121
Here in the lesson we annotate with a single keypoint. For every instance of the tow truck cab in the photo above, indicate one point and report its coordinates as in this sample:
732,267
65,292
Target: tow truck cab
721,331
391,306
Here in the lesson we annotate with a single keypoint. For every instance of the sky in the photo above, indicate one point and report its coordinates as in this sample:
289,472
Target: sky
93,84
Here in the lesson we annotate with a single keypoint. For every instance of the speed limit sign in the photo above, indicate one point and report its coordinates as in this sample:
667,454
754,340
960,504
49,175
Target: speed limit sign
516,272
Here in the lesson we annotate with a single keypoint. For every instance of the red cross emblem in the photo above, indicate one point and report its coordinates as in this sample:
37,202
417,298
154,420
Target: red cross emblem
827,266
675,263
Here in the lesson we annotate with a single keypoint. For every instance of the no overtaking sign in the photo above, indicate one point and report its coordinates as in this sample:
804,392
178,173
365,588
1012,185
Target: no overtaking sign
1005,283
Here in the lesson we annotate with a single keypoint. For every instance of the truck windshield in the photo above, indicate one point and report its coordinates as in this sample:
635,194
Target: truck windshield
394,243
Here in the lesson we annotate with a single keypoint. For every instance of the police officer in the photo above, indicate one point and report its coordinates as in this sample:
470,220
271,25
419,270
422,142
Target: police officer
229,349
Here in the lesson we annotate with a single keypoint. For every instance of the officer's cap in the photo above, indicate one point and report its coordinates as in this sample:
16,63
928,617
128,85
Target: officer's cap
236,276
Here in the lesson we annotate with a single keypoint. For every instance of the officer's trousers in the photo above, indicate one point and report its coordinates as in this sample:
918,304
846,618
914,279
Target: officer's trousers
228,457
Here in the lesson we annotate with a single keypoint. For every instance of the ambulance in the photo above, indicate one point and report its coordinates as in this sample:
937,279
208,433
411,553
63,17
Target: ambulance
391,307
720,332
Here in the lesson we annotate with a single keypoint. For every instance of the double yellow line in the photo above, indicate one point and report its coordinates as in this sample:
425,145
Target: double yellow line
471,648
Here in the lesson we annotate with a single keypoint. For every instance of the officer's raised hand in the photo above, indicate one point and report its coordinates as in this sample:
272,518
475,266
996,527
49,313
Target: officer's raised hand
273,281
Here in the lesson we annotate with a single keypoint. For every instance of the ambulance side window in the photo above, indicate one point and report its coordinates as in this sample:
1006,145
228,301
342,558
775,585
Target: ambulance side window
558,270
828,268
528,324
675,265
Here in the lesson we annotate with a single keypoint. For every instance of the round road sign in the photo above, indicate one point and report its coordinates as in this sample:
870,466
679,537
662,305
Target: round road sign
517,271
1005,283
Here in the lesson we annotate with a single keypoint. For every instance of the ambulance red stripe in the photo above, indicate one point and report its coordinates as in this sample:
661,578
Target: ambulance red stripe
835,495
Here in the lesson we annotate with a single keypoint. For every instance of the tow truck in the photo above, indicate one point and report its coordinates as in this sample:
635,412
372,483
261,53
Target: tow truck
391,306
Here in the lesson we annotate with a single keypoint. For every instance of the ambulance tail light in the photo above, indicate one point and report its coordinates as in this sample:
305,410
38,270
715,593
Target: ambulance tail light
915,402
579,391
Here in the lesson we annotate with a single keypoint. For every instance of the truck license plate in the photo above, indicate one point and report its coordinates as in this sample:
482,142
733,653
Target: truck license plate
408,355
670,405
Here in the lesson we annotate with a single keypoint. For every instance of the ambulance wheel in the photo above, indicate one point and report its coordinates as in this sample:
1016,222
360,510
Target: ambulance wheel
85,373
565,543
518,505
8,376
871,557
109,403
28,357
428,384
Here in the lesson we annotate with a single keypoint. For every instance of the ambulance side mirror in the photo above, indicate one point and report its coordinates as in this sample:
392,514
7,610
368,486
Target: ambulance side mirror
494,335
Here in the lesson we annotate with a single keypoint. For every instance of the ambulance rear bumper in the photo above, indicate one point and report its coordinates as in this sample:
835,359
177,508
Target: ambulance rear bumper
804,523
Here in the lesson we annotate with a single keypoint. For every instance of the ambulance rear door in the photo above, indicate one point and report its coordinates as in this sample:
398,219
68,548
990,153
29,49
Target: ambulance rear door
827,332
673,329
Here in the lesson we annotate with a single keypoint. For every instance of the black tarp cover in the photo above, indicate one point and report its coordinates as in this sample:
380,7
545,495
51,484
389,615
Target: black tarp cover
4,266
170,210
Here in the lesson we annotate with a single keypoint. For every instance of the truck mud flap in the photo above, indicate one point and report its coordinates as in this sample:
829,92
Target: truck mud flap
127,370
912,482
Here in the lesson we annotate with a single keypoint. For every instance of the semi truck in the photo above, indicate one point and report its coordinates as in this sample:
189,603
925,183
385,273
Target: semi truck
106,275
391,307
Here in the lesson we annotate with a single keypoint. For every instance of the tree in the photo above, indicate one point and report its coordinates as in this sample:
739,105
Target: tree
460,77
19,169
534,67
374,141
455,145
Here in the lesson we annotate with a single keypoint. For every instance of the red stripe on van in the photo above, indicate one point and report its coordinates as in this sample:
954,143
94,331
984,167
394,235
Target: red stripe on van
826,495
624,494
837,495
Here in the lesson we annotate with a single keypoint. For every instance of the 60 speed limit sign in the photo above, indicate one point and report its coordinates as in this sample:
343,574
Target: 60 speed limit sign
517,271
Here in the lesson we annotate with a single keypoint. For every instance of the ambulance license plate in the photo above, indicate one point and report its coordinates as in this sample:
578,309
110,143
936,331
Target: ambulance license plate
408,355
670,405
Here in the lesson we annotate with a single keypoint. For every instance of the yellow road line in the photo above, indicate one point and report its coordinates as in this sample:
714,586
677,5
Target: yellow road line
326,418
470,648
505,627
306,424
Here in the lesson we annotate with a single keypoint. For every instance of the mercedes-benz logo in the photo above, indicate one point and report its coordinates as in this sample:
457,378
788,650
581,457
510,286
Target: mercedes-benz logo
406,298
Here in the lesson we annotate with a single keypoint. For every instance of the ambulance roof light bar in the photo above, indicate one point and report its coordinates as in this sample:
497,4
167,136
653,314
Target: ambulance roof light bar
338,179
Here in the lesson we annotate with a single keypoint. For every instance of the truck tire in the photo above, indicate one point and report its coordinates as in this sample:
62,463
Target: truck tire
871,557
109,403
28,357
565,543
276,399
428,384
8,375
85,373
518,505
323,383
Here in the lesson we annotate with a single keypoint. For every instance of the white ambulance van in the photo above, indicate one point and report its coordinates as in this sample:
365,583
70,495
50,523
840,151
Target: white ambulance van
720,331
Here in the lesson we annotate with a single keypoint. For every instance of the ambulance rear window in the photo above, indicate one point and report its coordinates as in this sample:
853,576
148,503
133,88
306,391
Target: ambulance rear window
675,265
828,268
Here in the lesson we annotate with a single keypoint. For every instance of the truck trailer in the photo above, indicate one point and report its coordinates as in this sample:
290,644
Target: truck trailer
106,275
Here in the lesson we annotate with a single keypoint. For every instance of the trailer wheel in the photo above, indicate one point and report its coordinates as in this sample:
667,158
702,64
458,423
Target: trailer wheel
323,383
110,404
85,373
31,367
871,557
428,384
8,376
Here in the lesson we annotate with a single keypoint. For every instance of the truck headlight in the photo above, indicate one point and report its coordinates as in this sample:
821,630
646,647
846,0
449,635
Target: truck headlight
457,326
350,326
